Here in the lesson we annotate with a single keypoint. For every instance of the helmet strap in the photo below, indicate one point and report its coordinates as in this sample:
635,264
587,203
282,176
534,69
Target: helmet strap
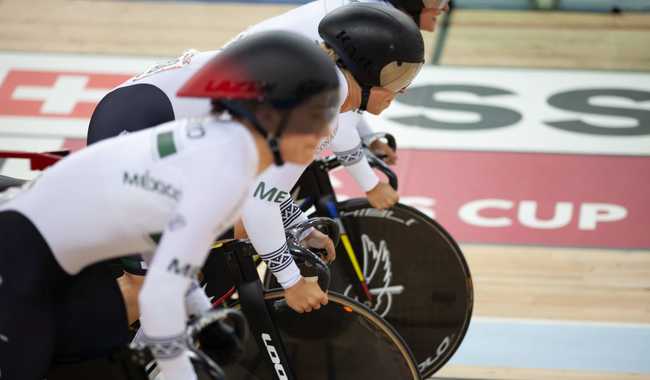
365,97
274,144
237,110
274,140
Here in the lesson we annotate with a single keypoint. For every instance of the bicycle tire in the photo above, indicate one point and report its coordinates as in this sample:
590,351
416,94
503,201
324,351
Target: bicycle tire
434,319
331,343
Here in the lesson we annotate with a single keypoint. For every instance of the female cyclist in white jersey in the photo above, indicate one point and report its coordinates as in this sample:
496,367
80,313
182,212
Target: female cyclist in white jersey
169,191
379,50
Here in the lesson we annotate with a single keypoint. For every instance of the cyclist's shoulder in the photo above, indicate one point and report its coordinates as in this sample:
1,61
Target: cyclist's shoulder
200,124
219,137
302,20
351,118
167,70
222,127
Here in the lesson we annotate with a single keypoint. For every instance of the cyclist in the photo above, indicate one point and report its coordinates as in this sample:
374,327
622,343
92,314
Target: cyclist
186,180
379,50
424,12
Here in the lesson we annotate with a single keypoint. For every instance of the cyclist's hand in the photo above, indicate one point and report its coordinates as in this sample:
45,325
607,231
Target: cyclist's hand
317,239
240,230
382,196
379,147
305,296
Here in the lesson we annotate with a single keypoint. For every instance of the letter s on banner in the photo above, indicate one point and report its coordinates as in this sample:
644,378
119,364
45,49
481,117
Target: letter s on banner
489,116
580,101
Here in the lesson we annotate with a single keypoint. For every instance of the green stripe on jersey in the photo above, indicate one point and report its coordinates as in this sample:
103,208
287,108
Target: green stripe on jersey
156,236
166,144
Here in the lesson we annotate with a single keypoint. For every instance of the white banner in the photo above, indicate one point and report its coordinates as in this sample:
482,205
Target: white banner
585,112
590,112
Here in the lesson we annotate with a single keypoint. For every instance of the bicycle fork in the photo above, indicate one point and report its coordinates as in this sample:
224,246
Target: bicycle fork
332,211
255,308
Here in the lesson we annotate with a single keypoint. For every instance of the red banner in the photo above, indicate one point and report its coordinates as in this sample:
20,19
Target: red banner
524,198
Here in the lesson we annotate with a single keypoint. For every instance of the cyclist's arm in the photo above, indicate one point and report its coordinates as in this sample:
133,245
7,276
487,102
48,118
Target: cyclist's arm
346,144
263,221
196,301
363,127
291,213
206,208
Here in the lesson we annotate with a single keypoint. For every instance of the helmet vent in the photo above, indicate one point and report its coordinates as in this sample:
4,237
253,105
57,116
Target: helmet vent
343,36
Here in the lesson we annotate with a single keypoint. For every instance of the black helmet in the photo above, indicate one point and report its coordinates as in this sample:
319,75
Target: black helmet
380,45
280,68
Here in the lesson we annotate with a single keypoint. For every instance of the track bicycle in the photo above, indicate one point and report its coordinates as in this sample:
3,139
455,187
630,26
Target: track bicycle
400,263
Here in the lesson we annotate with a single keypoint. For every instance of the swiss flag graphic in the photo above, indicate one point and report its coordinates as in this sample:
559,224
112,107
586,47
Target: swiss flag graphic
54,93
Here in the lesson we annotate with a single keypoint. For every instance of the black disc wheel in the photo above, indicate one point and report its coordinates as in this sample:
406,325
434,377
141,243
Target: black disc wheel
417,275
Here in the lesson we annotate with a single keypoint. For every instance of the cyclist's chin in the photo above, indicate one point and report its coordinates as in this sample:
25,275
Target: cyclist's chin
377,109
301,158
299,149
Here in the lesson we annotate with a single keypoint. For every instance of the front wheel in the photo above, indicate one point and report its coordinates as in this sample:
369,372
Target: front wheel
343,340
417,275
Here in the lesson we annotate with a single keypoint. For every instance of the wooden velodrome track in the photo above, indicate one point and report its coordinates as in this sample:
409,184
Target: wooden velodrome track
512,281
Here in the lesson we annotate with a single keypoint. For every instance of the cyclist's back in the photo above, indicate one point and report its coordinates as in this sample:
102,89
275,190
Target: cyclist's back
150,98
117,197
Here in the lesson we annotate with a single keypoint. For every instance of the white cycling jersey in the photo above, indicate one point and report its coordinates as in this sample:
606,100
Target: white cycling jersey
116,197
171,189
262,215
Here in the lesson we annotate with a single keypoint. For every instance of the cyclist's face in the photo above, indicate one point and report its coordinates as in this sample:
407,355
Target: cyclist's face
395,78
379,100
299,148
429,15
316,112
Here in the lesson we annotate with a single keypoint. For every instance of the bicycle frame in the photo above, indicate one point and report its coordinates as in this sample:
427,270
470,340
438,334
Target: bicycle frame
239,258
